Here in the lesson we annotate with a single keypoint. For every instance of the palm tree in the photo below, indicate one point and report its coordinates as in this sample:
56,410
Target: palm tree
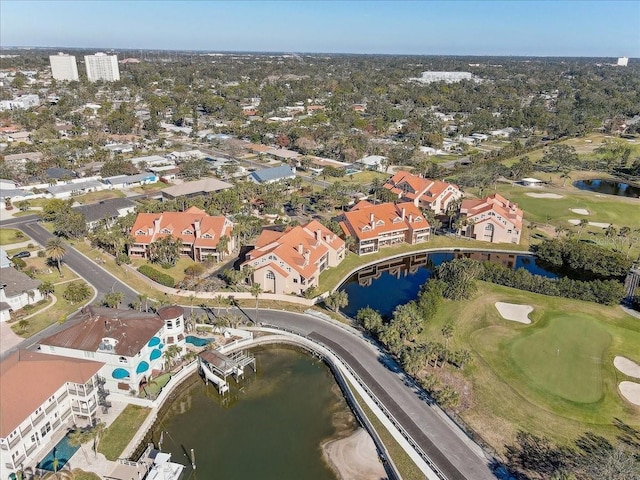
23,324
583,223
223,246
55,251
256,290
77,438
565,176
46,288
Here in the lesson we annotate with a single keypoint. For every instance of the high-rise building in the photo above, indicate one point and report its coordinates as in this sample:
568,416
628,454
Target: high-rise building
63,67
102,67
623,61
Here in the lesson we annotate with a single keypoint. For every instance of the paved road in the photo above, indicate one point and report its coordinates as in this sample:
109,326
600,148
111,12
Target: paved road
454,454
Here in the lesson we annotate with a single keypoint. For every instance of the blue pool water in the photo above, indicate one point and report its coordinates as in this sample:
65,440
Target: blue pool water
197,341
62,451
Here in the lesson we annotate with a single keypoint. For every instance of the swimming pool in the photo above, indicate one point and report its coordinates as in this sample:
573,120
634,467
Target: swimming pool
62,451
197,341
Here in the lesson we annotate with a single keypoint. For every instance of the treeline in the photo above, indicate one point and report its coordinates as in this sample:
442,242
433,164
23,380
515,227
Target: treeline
582,257
607,292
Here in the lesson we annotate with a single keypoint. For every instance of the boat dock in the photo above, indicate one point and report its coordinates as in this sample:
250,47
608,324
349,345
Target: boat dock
216,367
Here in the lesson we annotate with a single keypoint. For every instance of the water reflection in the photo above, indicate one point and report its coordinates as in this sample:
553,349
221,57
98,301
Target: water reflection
608,187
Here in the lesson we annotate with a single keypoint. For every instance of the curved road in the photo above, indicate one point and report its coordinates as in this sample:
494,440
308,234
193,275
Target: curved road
445,444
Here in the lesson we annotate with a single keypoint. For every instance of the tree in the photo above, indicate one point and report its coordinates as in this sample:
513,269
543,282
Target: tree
53,208
23,324
97,431
561,155
459,275
165,251
223,246
337,300
55,250
70,225
79,437
46,288
113,299
256,290
583,223
370,319
77,292
447,332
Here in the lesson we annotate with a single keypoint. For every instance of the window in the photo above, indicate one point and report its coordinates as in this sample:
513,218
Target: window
295,280
123,360
170,340
270,275
141,232
165,230
178,323
187,232
169,323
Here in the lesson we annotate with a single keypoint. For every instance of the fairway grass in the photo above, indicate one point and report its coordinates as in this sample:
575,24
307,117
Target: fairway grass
519,382
564,357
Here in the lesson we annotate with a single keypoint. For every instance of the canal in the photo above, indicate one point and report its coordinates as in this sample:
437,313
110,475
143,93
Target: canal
270,426
390,283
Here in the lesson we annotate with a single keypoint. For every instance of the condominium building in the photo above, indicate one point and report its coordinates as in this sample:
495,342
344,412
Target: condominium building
41,395
376,226
102,67
64,67
492,219
424,192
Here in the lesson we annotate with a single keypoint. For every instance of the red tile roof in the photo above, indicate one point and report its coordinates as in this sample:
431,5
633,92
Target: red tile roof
366,221
28,379
497,203
182,225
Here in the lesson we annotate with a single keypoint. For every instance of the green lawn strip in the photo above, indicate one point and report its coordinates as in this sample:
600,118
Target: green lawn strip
48,273
177,271
507,397
95,197
118,435
59,312
331,276
405,465
11,235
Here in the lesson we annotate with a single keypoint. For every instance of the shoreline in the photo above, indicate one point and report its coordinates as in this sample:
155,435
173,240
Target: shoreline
354,457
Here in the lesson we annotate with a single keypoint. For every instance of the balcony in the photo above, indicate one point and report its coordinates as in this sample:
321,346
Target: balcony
32,448
38,419
25,430
63,395
65,415
14,442
81,410
50,407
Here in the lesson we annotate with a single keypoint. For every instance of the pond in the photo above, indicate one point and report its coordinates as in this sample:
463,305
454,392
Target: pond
387,284
270,425
609,187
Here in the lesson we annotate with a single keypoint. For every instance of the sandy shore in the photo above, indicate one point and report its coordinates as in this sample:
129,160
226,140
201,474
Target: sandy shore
354,457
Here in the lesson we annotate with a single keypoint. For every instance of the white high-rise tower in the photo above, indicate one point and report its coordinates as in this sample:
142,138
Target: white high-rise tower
623,61
64,67
102,67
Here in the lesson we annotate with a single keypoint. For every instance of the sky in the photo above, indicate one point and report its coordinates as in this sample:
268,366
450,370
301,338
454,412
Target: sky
606,28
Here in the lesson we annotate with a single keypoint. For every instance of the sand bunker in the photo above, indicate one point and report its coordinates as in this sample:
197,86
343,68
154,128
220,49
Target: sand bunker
544,195
514,312
630,391
575,221
580,211
626,366
355,457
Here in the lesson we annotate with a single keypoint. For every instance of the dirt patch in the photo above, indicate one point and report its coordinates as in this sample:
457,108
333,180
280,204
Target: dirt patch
626,366
514,312
630,391
354,457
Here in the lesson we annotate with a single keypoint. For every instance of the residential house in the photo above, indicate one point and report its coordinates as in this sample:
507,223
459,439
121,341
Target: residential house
272,175
150,160
19,160
492,219
376,226
195,188
377,163
129,344
200,233
16,288
67,190
129,181
119,147
106,212
292,261
41,395
424,192
21,102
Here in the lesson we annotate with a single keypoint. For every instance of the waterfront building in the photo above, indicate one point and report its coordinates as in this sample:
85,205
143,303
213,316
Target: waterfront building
41,395
129,344
423,192
200,233
64,67
102,67
291,261
492,219
376,226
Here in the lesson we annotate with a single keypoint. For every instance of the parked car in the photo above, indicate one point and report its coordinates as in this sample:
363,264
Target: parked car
24,254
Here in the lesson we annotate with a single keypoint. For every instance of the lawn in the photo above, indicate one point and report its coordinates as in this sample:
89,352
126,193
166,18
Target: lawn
95,197
11,235
177,271
59,312
119,434
518,379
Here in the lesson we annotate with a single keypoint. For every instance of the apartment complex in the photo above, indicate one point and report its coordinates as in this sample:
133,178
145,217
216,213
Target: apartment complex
377,226
102,67
40,395
200,233
492,219
292,261
423,192
128,344
64,67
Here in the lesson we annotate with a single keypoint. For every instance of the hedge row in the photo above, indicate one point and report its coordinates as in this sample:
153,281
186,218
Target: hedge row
157,276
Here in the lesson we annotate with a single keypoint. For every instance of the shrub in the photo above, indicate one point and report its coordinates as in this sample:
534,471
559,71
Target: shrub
41,254
194,270
122,258
19,263
157,276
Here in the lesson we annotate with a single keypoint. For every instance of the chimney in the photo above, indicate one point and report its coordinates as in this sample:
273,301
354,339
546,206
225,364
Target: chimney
318,234
300,248
196,227
306,255
410,218
156,225
403,213
372,221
